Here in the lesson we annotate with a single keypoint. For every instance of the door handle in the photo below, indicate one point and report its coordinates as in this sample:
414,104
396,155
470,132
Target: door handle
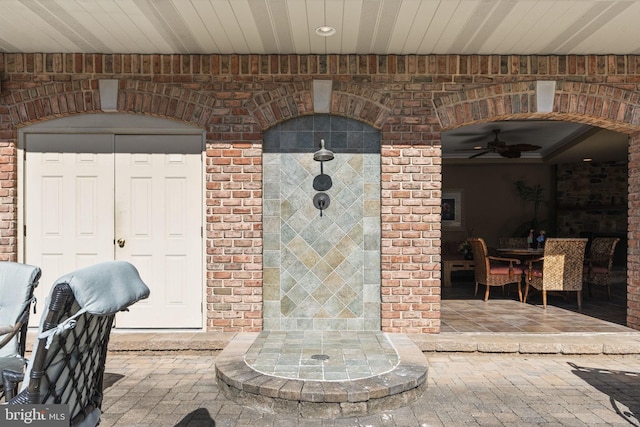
121,243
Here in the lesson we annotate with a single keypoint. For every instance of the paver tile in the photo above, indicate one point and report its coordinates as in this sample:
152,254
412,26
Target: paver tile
463,389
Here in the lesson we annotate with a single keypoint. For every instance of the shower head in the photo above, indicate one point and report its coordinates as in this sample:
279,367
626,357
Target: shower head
323,155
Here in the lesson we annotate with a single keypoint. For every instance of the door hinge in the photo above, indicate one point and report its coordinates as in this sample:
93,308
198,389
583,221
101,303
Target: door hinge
24,230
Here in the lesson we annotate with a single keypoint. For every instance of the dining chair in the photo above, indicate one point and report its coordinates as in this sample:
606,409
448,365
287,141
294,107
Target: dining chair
559,269
492,270
599,263
68,358
17,283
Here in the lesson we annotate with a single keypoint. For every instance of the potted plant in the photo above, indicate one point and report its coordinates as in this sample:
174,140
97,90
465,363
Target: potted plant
533,194
465,249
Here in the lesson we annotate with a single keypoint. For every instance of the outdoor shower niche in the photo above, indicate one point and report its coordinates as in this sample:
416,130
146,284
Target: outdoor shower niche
322,182
321,223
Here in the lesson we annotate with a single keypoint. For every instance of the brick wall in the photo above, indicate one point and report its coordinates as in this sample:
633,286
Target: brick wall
591,197
236,97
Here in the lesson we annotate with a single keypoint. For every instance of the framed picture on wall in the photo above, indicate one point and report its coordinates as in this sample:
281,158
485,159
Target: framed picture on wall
452,209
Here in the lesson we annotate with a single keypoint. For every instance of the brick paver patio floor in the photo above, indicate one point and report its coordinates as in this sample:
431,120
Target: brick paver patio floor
168,389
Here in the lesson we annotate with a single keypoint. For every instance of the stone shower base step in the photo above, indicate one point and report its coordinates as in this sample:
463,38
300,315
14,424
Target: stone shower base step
302,395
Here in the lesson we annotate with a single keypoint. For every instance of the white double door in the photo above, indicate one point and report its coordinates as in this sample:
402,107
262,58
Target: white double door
97,197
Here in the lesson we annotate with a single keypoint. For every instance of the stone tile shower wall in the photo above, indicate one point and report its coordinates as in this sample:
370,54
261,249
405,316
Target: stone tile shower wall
321,272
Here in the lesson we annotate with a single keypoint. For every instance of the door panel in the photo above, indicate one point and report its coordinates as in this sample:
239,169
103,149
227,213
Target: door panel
143,189
158,215
69,205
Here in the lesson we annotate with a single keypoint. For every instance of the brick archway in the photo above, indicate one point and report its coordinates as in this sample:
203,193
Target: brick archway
595,104
289,101
598,105
54,100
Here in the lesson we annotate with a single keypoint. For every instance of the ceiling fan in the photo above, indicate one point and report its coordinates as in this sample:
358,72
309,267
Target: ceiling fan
510,151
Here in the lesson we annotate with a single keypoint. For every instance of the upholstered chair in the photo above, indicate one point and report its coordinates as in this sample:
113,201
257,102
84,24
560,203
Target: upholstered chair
599,263
493,270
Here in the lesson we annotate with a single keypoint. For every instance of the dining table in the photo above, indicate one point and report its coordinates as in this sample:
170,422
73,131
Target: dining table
521,253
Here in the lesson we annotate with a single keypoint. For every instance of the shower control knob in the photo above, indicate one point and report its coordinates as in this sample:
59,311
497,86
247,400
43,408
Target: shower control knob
321,201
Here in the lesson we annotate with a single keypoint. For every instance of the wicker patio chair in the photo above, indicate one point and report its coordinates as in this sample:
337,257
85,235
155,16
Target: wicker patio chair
599,263
68,359
17,283
493,270
560,269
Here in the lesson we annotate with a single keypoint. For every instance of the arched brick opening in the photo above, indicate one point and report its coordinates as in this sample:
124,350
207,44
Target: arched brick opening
595,104
409,220
55,100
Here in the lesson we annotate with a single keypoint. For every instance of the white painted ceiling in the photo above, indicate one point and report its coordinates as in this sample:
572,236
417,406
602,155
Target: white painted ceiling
403,27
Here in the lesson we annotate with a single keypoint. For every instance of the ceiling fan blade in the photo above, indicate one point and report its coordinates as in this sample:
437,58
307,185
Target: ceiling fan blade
476,140
470,149
523,147
460,134
511,154
480,154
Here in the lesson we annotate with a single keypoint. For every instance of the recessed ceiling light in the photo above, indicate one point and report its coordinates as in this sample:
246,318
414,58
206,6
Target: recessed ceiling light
587,159
478,147
325,31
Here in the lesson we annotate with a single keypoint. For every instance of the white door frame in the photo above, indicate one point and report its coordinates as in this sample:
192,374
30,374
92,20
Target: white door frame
112,123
